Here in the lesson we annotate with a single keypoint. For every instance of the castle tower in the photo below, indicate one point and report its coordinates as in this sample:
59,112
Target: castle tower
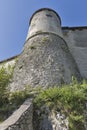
45,20
45,60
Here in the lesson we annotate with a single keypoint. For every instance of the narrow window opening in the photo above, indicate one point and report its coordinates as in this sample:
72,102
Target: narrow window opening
48,15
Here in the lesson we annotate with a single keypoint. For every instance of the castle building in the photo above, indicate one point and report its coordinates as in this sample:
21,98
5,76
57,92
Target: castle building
51,54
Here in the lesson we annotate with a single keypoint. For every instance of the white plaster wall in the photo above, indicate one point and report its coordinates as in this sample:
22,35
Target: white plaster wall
45,21
77,43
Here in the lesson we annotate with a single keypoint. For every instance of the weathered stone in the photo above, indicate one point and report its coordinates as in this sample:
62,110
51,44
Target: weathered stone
49,63
47,60
50,120
18,120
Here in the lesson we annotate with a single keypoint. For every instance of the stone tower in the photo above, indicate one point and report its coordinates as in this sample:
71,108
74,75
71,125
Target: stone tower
45,60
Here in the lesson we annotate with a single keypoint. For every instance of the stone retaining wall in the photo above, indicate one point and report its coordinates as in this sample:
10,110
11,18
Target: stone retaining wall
21,119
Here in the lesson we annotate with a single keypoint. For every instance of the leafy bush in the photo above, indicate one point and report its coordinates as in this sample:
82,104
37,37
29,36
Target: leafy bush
18,97
9,101
5,77
69,99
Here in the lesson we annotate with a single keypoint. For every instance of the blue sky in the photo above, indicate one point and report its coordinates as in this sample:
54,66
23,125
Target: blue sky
15,15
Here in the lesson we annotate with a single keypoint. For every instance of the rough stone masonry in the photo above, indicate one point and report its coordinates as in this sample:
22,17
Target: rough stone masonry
45,60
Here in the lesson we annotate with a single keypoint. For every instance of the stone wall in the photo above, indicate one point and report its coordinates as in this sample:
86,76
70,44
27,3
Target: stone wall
21,119
76,39
46,62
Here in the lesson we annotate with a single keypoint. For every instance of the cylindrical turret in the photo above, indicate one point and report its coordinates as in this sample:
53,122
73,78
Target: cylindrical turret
44,20
45,60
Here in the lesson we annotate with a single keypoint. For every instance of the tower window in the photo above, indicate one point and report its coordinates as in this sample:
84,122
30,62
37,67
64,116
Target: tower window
48,15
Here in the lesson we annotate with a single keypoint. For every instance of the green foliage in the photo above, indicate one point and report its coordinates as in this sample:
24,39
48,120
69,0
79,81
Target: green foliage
18,97
69,99
5,77
9,101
